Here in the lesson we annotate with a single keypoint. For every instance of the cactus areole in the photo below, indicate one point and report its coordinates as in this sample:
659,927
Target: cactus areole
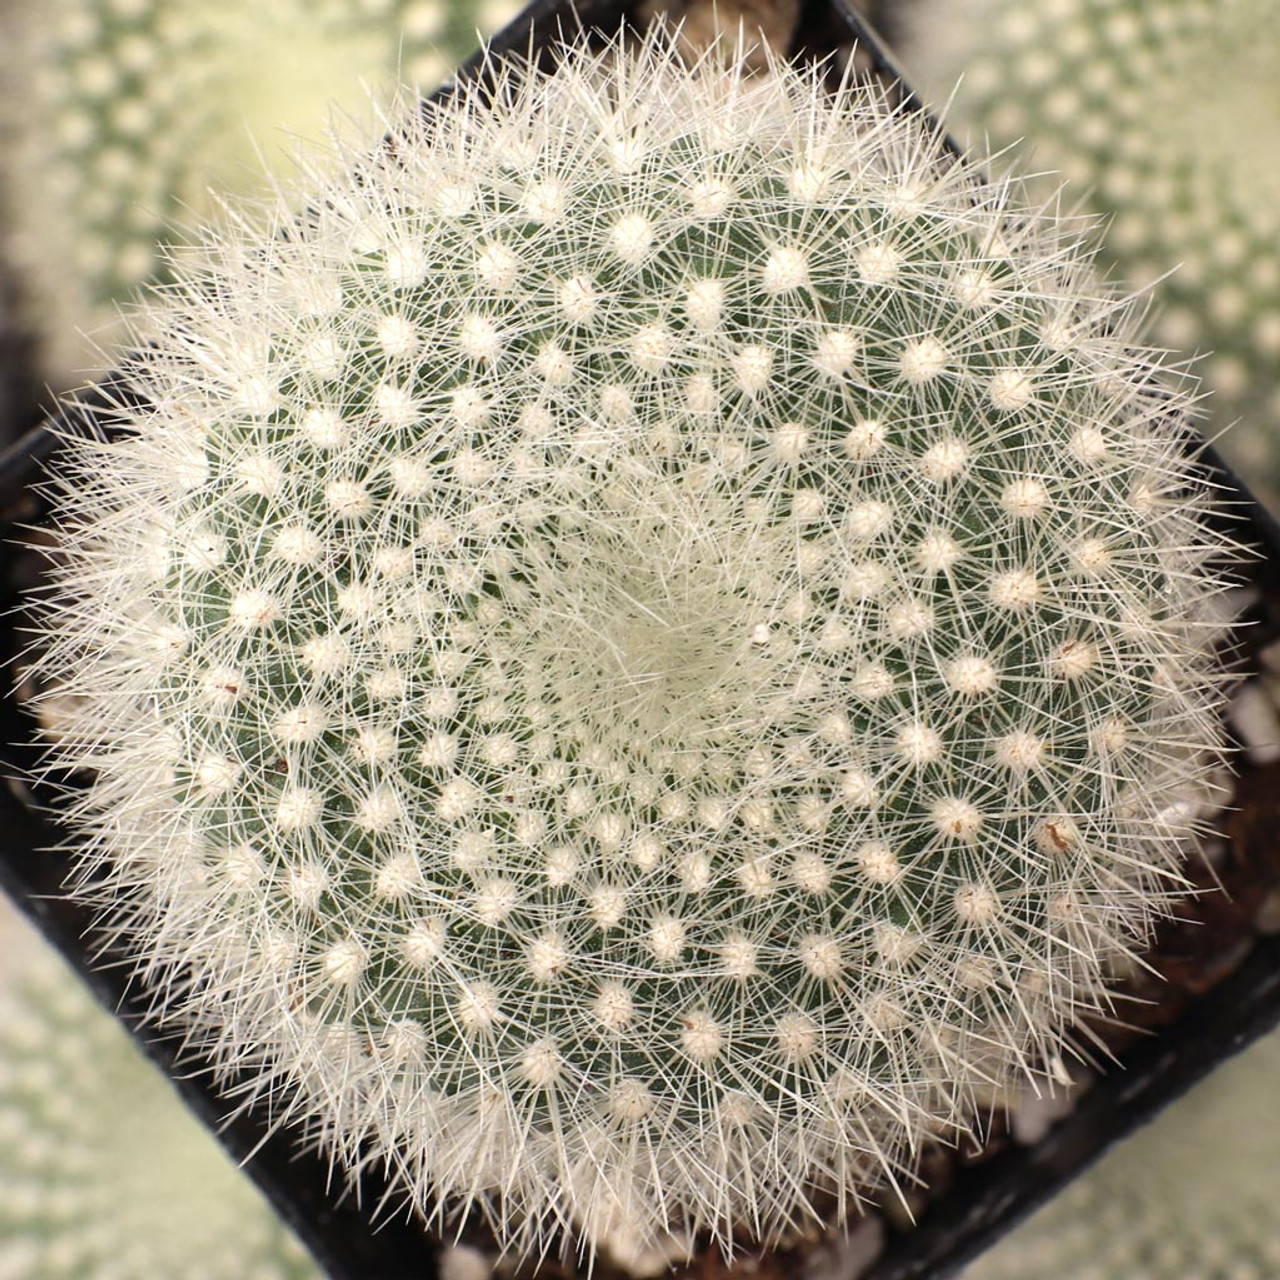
642,656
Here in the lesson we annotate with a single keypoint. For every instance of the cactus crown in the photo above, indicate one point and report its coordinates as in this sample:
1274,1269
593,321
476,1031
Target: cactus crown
104,1173
644,653
1167,119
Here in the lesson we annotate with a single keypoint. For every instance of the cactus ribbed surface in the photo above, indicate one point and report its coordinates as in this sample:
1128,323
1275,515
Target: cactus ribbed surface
651,647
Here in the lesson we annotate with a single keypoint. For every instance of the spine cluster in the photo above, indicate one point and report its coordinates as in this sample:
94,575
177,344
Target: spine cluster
1165,118
119,116
648,651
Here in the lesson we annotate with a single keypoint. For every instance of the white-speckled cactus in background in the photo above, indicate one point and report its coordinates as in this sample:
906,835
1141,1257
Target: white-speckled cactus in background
119,115
1166,116
654,648
103,1173
1193,1195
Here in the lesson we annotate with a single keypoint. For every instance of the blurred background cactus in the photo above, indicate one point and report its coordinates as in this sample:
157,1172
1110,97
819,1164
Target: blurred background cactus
104,1175
1192,1197
1166,119
647,658
120,121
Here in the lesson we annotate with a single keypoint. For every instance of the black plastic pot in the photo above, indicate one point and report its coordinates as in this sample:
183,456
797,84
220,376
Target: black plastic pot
363,1236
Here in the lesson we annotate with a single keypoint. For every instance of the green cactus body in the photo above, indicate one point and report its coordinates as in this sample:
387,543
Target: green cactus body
1193,1195
643,657
103,1173
1166,118
120,117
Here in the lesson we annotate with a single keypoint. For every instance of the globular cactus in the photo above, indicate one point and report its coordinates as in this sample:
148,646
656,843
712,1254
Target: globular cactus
1166,119
119,115
1193,1195
642,654
103,1173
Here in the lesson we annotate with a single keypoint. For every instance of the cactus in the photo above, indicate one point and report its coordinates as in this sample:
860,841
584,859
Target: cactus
1166,118
103,1174
1193,1195
119,115
650,650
